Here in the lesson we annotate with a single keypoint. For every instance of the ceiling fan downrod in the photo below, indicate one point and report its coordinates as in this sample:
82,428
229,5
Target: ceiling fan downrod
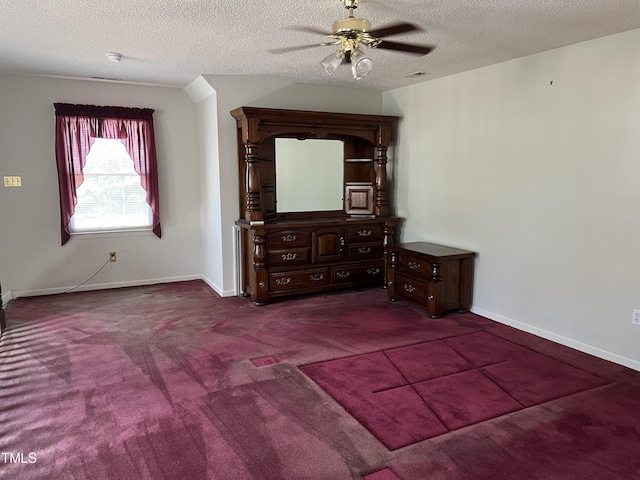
350,5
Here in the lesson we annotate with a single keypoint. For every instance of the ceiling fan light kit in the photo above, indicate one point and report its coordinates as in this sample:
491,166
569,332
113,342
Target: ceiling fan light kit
360,64
332,62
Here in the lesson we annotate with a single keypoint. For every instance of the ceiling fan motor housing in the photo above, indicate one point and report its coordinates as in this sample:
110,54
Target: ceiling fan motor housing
351,24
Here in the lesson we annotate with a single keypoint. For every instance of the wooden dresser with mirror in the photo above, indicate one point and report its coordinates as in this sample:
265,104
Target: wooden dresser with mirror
314,214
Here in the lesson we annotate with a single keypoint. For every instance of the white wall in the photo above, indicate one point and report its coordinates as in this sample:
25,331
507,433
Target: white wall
219,150
31,258
542,179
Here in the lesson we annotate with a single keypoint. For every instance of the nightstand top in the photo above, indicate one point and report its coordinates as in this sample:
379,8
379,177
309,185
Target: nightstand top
434,250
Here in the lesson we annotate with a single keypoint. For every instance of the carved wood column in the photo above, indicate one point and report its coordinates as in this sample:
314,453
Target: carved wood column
391,266
435,291
388,253
381,207
382,142
252,181
260,279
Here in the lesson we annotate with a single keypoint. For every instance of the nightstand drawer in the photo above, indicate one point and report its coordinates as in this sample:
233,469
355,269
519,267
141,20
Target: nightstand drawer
414,265
410,288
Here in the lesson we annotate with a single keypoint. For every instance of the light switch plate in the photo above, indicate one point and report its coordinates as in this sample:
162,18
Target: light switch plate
12,181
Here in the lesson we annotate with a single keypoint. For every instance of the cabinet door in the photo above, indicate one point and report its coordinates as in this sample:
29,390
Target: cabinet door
328,245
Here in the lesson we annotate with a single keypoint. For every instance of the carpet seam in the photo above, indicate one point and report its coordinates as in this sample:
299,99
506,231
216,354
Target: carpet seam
418,394
476,369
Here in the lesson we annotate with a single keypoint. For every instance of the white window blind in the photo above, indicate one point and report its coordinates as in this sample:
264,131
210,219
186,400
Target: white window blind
110,197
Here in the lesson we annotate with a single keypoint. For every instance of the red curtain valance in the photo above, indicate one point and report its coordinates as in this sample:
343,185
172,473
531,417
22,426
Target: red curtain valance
76,128
103,112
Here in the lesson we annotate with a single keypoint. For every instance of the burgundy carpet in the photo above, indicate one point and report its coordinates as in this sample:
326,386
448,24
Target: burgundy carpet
408,394
173,382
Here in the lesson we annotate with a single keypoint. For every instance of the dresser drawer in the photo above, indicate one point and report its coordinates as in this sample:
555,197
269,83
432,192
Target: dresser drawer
299,279
414,265
364,234
364,252
287,239
358,273
290,256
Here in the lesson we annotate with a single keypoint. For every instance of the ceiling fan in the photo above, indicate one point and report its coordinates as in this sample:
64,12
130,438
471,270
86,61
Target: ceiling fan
351,33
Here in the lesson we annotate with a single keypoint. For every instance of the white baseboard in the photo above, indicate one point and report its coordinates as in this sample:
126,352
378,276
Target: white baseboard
6,296
217,289
102,286
568,342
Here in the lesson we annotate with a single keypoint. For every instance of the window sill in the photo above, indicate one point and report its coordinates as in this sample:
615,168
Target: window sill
112,233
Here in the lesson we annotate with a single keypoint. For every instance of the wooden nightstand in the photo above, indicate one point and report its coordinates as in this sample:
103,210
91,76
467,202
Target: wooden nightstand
436,276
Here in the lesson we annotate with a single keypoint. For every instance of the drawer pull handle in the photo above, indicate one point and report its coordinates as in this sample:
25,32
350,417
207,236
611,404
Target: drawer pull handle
364,233
316,277
414,265
289,238
343,274
409,288
430,297
373,271
289,256
283,281
364,250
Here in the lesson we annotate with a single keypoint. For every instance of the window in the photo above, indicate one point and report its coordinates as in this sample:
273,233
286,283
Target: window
107,171
110,197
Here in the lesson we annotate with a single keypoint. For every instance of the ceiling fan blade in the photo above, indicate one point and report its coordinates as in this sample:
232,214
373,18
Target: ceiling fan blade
406,47
295,49
394,29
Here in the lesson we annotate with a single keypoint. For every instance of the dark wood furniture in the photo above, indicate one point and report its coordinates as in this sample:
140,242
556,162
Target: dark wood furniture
437,277
286,253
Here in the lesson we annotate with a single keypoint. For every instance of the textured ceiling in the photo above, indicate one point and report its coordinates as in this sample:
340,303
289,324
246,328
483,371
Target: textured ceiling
172,42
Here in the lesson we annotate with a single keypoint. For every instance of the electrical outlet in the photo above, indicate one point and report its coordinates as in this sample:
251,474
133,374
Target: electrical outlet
112,257
636,317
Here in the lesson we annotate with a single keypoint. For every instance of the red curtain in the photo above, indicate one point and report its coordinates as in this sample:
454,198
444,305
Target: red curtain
76,128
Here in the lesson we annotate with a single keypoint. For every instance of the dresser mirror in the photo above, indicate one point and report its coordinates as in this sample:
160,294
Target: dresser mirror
309,174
